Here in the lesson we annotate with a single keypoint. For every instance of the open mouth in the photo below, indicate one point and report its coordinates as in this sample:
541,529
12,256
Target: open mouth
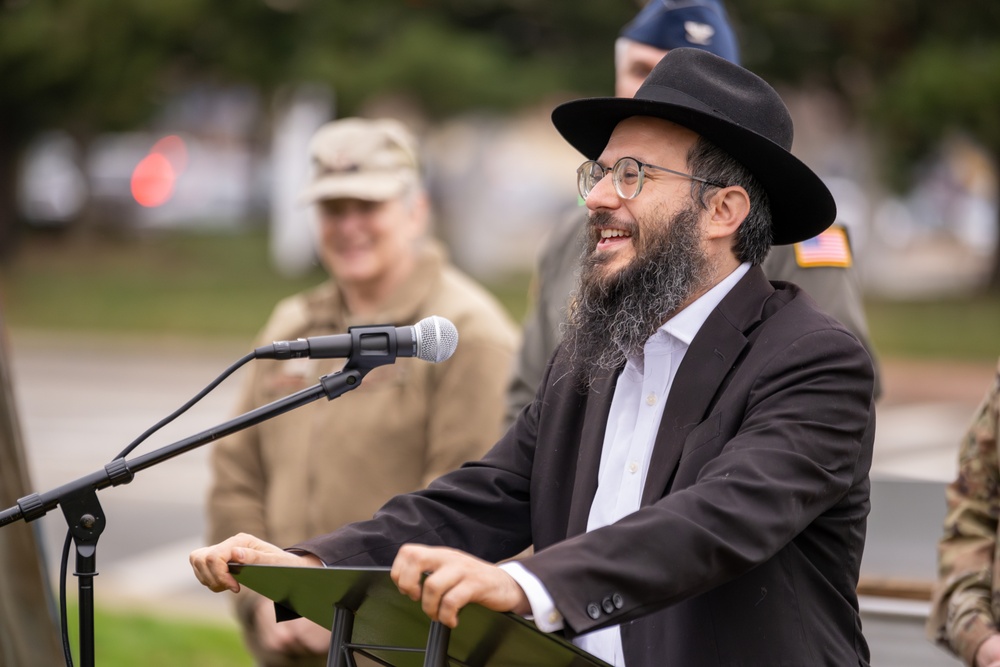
611,237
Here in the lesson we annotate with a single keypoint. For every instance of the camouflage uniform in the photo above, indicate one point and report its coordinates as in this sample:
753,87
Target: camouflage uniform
967,600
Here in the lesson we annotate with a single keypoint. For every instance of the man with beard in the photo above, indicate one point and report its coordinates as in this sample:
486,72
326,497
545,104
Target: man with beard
693,472
829,276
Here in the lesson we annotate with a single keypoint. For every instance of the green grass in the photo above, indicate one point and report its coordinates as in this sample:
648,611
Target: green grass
218,285
222,285
961,328
214,285
126,638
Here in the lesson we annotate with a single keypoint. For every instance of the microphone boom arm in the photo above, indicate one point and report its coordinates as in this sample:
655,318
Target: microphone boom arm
120,471
83,512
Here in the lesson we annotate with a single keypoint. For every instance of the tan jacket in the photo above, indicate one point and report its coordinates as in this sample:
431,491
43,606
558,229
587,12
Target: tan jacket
966,604
334,462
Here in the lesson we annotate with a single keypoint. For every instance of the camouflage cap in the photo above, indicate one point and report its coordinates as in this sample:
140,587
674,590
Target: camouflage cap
359,158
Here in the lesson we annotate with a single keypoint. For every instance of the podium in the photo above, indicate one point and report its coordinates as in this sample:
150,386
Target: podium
369,616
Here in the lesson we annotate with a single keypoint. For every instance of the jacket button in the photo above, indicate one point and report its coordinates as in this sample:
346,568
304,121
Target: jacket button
608,605
593,611
618,601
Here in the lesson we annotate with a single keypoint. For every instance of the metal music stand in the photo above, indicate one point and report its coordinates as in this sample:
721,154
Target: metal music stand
370,617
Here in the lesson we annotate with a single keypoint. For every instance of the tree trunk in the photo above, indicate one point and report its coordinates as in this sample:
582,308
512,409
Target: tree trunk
10,223
28,633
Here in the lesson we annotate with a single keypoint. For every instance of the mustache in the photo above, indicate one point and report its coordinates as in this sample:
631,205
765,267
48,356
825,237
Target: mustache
604,219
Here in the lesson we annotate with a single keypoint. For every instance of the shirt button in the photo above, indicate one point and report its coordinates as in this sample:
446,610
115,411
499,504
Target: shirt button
651,399
554,617
633,467
593,611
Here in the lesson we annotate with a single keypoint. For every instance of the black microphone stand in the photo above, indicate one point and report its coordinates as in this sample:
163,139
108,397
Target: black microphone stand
82,510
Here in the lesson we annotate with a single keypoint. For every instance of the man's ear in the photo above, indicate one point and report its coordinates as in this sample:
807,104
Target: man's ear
727,209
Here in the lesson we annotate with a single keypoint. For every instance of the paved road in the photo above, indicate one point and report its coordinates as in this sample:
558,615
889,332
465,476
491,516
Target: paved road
83,399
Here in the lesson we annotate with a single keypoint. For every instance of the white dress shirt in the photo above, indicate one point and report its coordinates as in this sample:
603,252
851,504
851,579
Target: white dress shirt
636,409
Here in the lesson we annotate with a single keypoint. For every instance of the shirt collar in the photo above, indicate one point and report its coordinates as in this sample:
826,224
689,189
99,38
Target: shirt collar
684,326
681,329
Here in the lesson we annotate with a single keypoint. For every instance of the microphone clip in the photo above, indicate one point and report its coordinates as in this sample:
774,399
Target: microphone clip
371,347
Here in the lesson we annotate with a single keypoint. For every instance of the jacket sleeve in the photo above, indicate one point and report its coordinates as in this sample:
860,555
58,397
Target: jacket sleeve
961,616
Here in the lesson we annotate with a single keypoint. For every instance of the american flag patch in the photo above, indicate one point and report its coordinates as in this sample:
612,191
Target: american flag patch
831,248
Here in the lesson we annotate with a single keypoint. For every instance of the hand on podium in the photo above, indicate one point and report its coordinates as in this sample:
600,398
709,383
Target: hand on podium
211,564
445,580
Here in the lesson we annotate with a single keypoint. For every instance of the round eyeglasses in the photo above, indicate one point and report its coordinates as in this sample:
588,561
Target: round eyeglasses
627,175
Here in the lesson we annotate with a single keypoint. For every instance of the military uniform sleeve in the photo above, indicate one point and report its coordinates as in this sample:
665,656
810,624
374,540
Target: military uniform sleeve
553,282
467,399
836,289
236,496
962,615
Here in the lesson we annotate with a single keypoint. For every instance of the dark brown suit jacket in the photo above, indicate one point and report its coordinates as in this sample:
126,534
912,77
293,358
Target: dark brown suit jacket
747,547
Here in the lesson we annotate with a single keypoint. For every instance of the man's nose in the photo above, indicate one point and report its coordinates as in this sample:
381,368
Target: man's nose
603,195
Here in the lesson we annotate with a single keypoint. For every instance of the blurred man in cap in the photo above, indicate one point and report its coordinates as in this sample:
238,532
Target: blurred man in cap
823,266
670,24
693,472
327,464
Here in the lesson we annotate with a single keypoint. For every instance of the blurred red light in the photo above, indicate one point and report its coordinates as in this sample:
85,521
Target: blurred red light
153,180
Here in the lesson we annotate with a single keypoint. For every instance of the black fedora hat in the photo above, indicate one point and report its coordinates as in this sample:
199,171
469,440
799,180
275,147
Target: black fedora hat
728,105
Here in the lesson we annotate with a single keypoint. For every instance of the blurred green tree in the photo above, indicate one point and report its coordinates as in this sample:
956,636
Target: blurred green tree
915,71
97,65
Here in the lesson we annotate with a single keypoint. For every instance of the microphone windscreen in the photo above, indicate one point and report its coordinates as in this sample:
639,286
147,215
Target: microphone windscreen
436,338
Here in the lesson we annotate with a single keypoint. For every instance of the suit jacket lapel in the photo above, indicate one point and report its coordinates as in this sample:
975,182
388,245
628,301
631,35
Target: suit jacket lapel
711,356
589,456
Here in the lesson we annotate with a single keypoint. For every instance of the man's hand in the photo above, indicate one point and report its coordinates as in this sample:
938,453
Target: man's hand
211,564
299,636
445,580
988,653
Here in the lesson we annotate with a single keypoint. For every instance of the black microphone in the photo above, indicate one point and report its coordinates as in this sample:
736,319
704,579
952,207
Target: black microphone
432,339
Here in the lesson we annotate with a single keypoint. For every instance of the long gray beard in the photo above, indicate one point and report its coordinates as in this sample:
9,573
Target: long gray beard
612,318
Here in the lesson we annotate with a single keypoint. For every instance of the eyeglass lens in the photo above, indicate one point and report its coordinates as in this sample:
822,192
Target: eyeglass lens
626,176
